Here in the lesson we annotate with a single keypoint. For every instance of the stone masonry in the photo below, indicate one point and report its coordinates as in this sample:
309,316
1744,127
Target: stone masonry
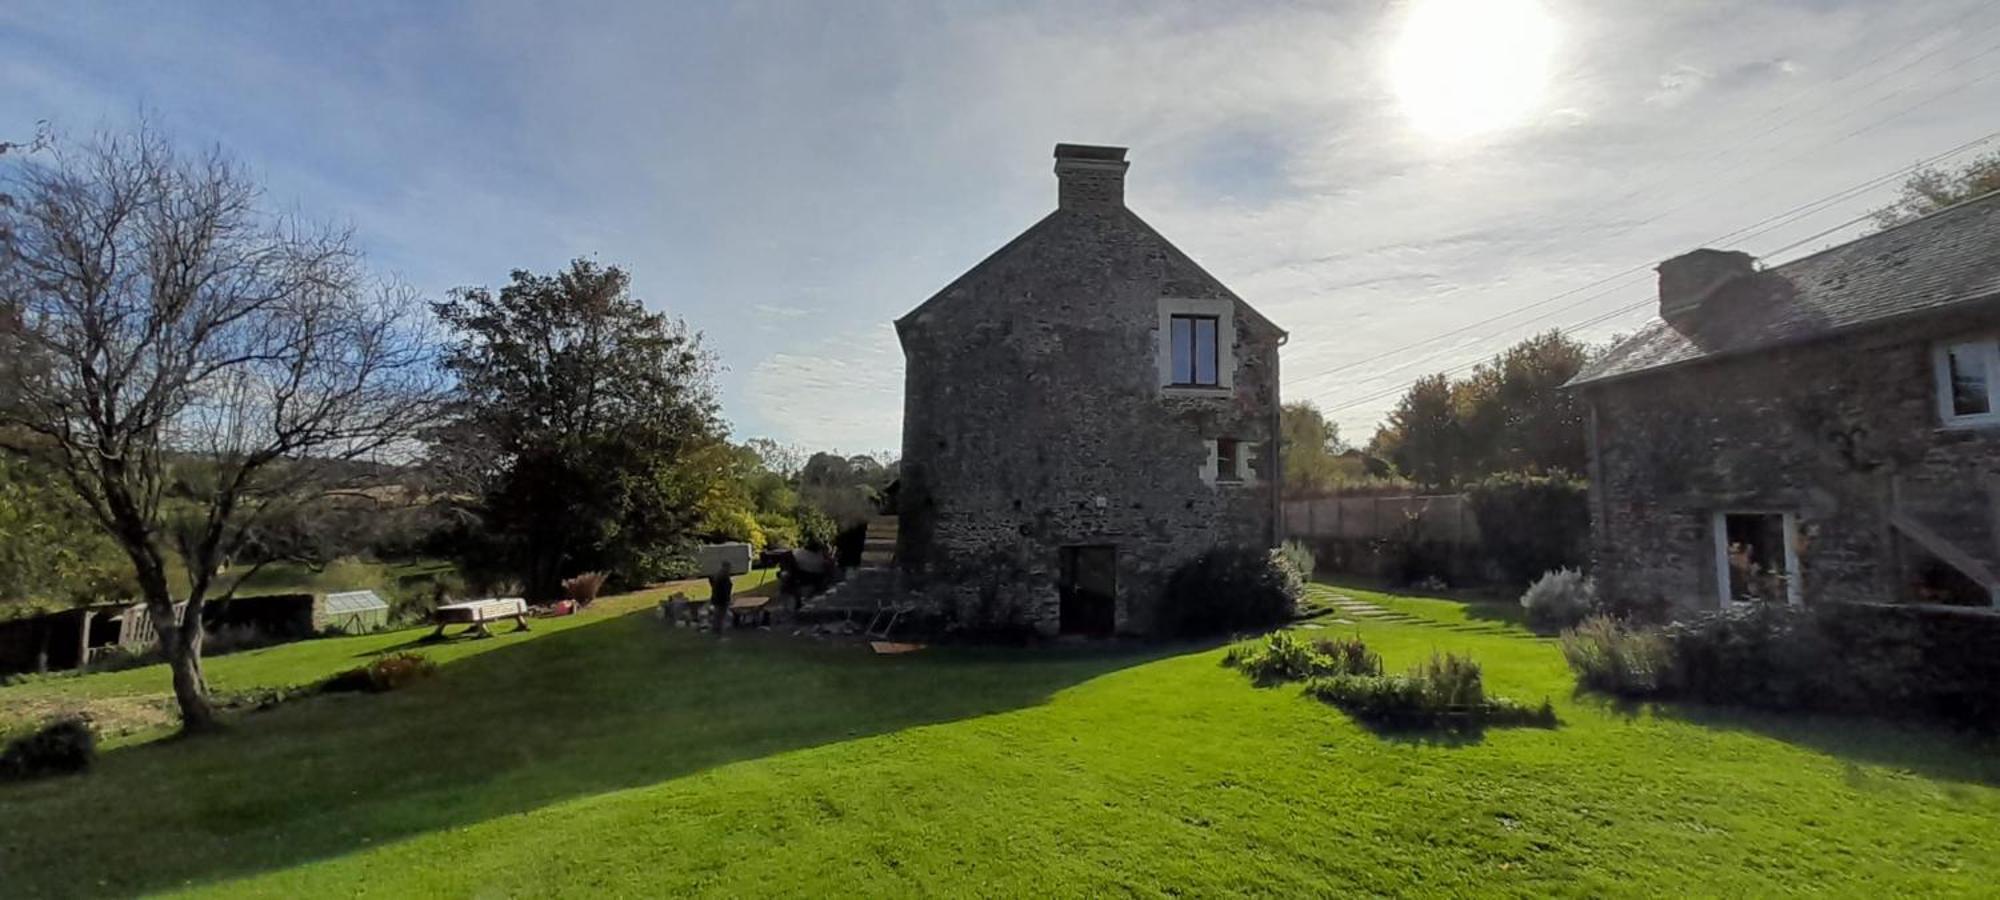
1037,417
1841,432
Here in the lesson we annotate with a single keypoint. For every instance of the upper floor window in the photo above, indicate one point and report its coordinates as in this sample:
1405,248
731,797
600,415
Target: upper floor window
1196,347
1968,376
1195,358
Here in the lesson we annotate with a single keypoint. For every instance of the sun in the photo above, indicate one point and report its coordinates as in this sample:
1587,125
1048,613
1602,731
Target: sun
1462,68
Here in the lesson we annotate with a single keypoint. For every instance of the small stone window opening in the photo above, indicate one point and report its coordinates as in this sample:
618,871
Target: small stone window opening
1968,377
1756,557
1228,461
1193,340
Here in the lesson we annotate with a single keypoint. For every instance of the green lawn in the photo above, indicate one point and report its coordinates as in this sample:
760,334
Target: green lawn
608,754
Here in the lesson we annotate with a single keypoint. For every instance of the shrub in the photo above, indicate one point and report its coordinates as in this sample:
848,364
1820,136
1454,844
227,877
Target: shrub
384,673
1349,656
1284,656
1228,589
1559,599
1836,658
1451,680
816,529
583,588
1609,656
63,746
1300,557
1446,690
1531,524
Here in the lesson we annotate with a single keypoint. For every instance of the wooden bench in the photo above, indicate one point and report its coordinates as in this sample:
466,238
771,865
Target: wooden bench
476,613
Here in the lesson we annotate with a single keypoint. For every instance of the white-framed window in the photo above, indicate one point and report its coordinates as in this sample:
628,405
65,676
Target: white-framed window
1968,382
1228,463
1197,339
1756,557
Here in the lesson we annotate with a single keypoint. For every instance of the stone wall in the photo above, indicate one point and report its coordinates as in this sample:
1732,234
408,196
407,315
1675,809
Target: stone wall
1821,430
1034,420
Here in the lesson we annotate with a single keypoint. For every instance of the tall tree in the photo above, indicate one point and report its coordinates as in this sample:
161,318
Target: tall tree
1930,189
584,425
1508,415
1423,437
1310,449
169,330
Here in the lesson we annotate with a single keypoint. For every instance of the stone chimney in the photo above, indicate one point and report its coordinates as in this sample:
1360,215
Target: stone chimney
1090,178
1689,280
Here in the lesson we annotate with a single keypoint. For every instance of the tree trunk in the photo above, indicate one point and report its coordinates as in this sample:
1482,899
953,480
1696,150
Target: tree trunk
190,690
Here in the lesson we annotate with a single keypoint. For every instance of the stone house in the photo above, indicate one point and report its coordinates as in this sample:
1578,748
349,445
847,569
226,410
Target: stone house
1823,430
1083,411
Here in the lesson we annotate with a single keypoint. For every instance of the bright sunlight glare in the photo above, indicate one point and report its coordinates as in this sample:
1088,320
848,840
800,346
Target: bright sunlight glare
1468,67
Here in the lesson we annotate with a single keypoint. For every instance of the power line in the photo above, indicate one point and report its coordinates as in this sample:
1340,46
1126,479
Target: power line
1612,314
1795,213
1765,225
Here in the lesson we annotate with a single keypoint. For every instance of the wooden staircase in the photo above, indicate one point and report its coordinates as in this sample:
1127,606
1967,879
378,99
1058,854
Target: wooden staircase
1956,526
879,551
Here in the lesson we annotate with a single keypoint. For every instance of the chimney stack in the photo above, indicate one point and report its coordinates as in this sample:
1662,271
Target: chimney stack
1090,178
1689,280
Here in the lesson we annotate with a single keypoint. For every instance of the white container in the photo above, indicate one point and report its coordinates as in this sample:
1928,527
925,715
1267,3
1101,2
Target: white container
710,558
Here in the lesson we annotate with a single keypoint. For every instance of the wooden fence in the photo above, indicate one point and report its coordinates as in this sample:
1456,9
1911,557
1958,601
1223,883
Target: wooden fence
1443,518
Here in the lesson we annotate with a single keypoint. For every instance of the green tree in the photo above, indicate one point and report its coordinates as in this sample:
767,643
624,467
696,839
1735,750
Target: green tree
1423,436
51,553
1510,414
585,426
1310,448
1930,189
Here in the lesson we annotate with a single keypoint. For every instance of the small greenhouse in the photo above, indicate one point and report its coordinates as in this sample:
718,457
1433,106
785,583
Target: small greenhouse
355,612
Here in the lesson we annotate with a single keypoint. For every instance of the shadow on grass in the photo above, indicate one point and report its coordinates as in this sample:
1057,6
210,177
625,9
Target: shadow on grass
602,707
1933,751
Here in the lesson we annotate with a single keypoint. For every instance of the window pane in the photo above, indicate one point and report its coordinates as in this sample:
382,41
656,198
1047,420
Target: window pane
1755,543
1226,467
1968,380
1204,351
1182,342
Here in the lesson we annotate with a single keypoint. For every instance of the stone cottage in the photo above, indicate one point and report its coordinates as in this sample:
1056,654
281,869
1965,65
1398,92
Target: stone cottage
1083,411
1823,430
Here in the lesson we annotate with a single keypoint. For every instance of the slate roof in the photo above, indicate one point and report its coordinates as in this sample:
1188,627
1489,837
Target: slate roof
1945,259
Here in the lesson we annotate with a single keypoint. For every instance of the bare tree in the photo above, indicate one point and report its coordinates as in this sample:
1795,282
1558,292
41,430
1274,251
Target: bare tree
194,367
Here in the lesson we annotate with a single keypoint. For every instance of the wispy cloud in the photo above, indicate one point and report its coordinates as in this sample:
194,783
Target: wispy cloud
790,177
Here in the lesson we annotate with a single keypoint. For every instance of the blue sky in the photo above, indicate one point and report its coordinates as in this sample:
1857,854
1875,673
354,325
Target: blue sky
789,177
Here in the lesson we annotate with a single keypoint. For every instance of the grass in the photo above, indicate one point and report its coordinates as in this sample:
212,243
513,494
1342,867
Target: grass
607,754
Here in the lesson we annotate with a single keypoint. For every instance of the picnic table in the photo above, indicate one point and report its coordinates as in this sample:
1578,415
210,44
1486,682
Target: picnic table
476,613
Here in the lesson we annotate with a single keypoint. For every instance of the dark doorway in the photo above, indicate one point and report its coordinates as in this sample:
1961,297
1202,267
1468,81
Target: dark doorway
1089,590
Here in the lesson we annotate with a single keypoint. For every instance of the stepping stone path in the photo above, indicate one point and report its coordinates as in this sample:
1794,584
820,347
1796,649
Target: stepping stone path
1361,608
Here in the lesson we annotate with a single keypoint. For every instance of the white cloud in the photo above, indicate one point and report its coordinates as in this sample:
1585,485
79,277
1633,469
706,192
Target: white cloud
837,391
792,177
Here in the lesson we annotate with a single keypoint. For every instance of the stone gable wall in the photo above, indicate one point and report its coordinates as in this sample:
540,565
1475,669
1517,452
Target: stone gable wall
1819,429
1033,420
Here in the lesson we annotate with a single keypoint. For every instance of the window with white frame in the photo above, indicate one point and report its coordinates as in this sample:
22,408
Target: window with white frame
1228,461
1196,346
1756,557
1968,375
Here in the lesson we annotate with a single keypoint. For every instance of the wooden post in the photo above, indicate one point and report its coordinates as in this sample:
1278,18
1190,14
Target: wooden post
83,642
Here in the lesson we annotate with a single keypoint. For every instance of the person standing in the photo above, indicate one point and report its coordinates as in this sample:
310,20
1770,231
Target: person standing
718,594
